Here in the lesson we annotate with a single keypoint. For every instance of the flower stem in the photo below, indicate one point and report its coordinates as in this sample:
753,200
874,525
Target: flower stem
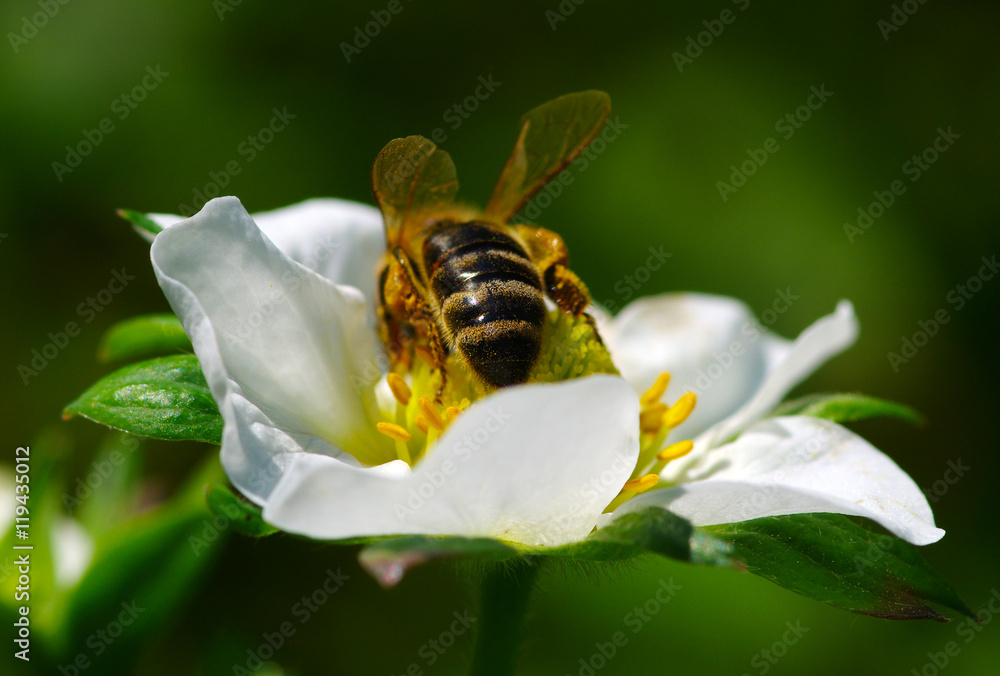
504,602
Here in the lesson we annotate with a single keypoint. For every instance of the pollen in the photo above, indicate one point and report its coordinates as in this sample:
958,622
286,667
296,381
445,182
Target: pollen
393,431
680,411
399,388
656,390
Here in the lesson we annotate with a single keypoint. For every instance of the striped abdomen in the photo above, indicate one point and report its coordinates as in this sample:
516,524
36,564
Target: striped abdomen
490,298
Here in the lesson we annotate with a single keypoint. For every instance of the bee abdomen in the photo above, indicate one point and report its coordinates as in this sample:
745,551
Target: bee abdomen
490,298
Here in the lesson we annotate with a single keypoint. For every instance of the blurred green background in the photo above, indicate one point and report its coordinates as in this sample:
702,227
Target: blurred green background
227,65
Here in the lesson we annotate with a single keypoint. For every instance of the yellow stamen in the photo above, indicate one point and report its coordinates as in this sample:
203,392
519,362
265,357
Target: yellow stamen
651,418
642,484
681,409
431,413
452,412
420,421
399,388
400,436
393,431
674,451
655,391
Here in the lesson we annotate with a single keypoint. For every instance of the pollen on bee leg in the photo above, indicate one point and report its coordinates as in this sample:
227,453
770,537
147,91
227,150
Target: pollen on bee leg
400,390
656,390
680,411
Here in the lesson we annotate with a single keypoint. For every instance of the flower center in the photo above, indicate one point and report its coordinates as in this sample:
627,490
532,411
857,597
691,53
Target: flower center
571,349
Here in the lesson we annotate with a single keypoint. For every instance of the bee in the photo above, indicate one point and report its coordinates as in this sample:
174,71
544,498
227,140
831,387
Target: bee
461,280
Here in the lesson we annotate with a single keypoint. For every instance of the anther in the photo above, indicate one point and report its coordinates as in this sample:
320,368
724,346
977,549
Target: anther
399,388
651,417
433,417
674,451
421,422
642,484
452,412
655,391
681,409
393,431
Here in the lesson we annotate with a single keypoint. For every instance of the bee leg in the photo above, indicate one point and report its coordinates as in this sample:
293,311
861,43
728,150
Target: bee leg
406,299
551,257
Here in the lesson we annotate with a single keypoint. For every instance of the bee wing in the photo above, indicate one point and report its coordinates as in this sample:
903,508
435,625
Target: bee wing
551,136
411,176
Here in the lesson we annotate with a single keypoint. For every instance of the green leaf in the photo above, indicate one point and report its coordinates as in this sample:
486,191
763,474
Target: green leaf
143,336
830,558
243,517
165,398
140,221
390,559
652,530
848,408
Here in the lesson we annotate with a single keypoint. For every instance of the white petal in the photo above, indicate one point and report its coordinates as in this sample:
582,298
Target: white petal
711,345
535,464
339,239
287,353
798,464
824,339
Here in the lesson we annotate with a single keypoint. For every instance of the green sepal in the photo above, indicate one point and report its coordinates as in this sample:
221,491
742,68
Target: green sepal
847,407
830,558
140,221
143,336
242,516
165,398
650,531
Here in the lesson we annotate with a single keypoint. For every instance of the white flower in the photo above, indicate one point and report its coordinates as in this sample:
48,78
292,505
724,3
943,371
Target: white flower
280,316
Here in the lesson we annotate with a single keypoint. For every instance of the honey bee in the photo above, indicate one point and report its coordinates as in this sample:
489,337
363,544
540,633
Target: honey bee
462,280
